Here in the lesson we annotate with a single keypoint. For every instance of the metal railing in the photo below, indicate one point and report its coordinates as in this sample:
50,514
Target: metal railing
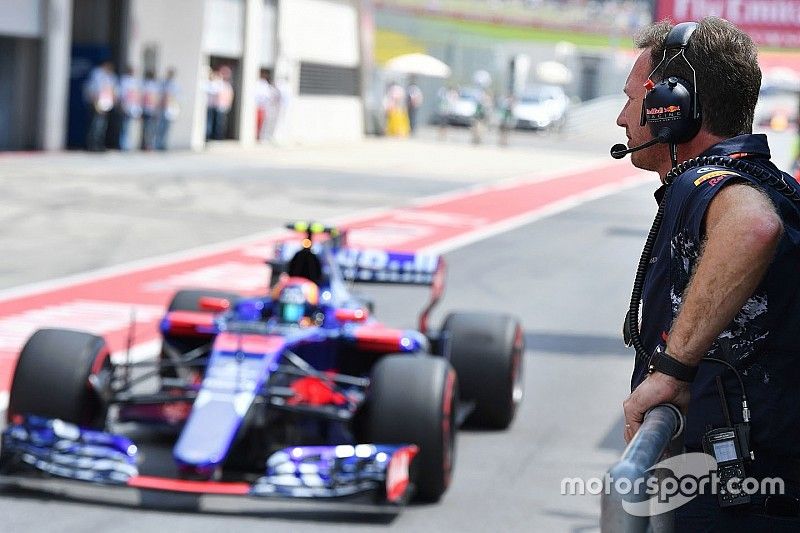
659,432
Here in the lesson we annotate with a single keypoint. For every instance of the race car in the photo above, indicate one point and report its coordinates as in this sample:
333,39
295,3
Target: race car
299,393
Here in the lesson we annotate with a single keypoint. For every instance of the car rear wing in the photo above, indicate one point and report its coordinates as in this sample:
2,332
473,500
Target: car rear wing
395,268
364,265
384,266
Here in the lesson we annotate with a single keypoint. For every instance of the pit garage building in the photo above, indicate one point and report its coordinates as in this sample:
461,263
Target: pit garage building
311,48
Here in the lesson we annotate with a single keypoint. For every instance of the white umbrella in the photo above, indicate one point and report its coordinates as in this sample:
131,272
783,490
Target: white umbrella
553,72
419,64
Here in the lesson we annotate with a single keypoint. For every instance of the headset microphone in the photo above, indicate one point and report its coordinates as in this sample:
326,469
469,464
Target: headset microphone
618,151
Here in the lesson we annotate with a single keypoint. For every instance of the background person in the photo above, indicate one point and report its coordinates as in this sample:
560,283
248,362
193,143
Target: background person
394,104
129,97
483,113
224,102
414,101
169,109
212,95
99,93
266,95
151,99
722,279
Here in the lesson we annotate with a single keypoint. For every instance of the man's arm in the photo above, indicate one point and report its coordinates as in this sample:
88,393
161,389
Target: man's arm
742,232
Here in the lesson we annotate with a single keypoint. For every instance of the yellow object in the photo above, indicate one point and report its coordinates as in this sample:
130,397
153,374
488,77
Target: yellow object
397,124
779,122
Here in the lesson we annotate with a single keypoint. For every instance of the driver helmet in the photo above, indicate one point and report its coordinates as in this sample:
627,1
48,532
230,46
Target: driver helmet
296,300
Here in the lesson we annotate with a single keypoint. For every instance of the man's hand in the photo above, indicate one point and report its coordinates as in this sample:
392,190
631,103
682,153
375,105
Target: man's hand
658,388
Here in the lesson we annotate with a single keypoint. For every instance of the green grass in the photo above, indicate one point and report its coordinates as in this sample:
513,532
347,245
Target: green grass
517,33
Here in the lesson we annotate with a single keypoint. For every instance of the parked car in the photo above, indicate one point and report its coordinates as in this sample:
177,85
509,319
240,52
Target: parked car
465,108
541,107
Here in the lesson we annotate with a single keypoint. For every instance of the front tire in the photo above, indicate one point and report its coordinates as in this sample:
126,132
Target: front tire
52,377
412,400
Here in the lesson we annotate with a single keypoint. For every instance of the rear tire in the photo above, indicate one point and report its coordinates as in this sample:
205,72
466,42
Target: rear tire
189,300
412,400
486,350
52,377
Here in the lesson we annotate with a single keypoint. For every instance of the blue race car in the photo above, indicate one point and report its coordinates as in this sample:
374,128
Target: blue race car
300,393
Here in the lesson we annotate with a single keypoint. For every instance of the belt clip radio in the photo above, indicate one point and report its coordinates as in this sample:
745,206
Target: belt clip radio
730,447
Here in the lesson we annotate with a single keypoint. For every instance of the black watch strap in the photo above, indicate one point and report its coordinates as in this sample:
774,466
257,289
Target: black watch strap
662,362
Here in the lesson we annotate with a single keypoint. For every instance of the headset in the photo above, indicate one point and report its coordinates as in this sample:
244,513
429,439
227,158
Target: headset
670,108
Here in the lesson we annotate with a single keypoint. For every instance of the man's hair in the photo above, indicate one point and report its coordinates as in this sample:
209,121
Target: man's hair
728,76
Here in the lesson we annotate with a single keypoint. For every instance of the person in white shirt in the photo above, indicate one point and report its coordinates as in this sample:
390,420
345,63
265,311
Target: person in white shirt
99,93
224,102
266,96
169,108
129,100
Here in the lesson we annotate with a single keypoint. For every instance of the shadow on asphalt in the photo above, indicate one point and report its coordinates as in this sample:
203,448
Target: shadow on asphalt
619,231
574,343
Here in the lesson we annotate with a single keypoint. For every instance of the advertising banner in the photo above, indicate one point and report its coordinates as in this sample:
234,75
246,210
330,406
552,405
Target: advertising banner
769,22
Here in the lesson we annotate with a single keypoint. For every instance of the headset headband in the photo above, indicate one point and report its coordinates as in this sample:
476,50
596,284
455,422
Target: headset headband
679,35
677,40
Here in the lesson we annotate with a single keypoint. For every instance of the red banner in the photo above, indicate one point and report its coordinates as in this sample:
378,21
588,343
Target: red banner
769,22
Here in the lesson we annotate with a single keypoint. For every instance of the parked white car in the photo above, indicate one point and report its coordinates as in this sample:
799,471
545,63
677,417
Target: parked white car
541,107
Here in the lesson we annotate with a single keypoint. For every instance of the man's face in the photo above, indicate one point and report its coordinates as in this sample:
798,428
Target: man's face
649,158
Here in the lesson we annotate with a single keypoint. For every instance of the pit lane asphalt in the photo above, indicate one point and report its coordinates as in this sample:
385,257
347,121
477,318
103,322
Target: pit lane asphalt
567,276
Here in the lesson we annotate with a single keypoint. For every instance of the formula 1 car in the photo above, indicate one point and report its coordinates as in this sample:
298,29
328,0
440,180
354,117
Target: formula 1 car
300,393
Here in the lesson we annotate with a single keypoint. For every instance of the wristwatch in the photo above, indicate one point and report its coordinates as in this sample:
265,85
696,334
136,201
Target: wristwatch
662,362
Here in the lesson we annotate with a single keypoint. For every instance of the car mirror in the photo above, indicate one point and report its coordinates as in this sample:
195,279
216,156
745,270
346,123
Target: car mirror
210,303
351,315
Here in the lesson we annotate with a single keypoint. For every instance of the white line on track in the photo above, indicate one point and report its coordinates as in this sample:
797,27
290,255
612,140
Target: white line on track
538,214
166,259
507,183
231,245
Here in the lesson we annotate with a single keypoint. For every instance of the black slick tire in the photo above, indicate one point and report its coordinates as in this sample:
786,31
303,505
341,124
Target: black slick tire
52,377
486,349
412,400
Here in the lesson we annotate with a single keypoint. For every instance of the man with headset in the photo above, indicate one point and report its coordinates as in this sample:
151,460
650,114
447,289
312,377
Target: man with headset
719,280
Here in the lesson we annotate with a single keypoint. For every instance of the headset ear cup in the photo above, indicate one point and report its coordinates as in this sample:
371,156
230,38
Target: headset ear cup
669,108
